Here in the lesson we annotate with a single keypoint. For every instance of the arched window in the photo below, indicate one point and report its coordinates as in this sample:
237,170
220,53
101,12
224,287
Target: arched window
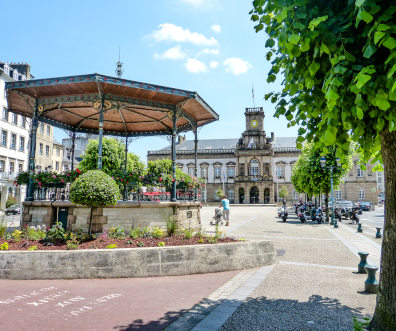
362,193
7,69
15,74
254,167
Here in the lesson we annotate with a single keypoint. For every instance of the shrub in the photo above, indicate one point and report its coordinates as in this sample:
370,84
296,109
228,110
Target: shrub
71,244
161,244
4,246
17,235
134,233
116,233
200,240
111,246
11,200
140,244
56,233
211,240
171,226
94,189
33,248
34,232
3,228
188,233
157,233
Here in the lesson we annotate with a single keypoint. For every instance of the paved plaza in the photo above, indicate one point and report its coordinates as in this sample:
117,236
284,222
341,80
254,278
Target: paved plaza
314,286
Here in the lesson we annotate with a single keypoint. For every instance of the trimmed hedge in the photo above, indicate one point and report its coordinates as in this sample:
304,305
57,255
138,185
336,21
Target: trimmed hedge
95,189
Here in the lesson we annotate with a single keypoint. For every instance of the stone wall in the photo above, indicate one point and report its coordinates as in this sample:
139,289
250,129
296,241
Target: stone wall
124,214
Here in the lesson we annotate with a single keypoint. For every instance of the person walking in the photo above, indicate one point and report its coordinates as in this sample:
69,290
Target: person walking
225,203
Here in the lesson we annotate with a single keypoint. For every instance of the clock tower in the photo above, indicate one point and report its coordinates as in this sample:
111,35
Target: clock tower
254,134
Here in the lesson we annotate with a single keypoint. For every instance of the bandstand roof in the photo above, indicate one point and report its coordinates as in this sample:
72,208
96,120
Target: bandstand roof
129,107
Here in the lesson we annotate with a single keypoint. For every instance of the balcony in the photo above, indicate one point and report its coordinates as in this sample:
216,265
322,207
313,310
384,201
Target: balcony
252,178
8,175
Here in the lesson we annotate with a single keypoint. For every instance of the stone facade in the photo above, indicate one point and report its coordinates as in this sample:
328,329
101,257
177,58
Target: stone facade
253,168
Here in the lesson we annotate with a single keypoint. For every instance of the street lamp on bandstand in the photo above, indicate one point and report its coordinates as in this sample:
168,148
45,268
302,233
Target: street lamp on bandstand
323,165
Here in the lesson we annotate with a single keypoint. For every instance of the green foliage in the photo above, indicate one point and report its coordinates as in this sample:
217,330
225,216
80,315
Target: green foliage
111,246
360,324
33,248
4,246
219,193
95,189
17,235
161,244
200,241
116,233
283,192
71,244
34,232
338,59
56,233
309,177
134,233
212,239
157,233
188,233
3,227
171,226
11,200
140,244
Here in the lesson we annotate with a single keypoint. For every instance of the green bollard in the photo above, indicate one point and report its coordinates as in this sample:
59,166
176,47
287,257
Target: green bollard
378,234
360,227
363,262
371,284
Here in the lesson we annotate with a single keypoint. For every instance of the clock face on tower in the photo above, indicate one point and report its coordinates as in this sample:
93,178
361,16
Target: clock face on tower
253,123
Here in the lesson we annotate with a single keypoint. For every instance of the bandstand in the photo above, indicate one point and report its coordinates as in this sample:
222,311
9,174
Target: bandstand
104,105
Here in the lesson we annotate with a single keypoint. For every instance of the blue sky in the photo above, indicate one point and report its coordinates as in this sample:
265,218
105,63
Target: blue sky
208,46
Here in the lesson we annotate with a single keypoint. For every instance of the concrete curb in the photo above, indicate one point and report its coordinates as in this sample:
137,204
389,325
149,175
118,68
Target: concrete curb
136,262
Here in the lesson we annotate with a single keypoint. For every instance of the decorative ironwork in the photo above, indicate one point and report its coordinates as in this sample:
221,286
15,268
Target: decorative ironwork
118,70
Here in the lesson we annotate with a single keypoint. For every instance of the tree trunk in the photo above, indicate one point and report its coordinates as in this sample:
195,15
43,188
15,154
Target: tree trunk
385,311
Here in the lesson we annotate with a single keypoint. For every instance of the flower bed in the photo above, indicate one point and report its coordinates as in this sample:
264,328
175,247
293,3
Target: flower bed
56,238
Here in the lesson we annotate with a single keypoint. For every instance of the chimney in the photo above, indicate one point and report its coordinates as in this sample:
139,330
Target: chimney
180,139
272,136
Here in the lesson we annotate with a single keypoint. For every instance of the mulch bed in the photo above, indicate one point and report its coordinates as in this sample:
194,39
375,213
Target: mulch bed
102,243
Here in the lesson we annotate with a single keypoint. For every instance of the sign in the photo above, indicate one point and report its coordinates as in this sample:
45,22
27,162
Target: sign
189,214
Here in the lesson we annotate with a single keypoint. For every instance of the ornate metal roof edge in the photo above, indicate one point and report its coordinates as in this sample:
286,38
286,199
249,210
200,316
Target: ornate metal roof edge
206,106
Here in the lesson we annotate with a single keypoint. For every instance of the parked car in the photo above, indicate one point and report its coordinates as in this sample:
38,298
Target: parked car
366,206
13,210
344,204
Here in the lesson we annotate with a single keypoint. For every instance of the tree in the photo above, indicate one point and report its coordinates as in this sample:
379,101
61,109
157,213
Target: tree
283,192
219,193
94,189
309,177
338,58
113,157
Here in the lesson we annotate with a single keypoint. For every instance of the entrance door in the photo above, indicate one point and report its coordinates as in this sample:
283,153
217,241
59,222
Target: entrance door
254,195
62,216
241,193
266,195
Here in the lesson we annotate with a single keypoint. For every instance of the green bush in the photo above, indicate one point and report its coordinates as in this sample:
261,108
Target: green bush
11,200
95,189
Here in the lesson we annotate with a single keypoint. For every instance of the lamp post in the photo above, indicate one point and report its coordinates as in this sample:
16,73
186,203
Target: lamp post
323,165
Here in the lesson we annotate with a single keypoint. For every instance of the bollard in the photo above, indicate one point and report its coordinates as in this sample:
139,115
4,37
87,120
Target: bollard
363,262
378,234
360,227
371,284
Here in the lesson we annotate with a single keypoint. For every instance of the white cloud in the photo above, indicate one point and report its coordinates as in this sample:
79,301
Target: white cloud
174,53
216,28
237,66
195,66
213,64
211,51
172,32
195,3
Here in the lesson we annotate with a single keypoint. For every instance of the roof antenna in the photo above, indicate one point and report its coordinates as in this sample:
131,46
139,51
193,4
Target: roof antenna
119,64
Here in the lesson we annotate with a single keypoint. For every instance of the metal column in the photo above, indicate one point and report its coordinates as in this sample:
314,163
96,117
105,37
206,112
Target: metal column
73,148
32,153
100,135
196,160
174,121
125,167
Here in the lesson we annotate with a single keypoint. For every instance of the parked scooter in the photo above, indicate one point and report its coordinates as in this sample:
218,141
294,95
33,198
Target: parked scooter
319,217
283,214
354,215
338,214
301,214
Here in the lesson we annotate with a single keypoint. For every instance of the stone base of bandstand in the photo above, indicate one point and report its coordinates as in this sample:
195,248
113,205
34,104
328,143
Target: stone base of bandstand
126,214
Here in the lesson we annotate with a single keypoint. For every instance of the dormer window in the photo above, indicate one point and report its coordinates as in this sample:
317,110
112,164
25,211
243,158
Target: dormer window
23,77
6,69
15,74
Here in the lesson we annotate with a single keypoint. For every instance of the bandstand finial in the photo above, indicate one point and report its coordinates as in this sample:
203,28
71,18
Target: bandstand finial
119,65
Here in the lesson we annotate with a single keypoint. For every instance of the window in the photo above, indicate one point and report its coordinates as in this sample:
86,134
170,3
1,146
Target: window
2,165
191,171
57,151
20,167
241,169
23,77
5,114
42,128
280,171
254,168
48,130
231,172
47,150
362,193
338,195
379,179
13,141
23,122
56,165
41,149
12,166
204,172
7,69
360,172
230,194
15,118
3,138
22,144
295,195
217,172
15,74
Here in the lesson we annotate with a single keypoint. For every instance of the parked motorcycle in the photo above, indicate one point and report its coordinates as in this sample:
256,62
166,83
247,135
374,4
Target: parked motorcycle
319,217
283,214
338,214
354,215
301,214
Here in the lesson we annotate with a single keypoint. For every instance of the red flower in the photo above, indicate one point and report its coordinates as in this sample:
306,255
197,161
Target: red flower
121,179
160,179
